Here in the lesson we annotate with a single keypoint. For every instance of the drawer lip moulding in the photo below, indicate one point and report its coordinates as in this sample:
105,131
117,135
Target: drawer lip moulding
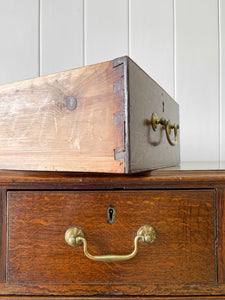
110,117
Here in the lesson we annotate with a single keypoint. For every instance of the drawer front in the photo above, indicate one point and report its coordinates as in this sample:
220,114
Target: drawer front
183,251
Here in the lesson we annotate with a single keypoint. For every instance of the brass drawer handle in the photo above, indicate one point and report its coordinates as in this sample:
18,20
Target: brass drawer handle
168,126
75,236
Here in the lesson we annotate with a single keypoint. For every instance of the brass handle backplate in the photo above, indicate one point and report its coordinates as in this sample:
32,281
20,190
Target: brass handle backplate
75,236
168,126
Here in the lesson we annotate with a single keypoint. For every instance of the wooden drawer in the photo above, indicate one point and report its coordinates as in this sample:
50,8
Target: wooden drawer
90,119
183,251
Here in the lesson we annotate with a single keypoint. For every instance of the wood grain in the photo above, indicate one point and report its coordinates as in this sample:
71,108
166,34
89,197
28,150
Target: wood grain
112,298
108,131
38,132
177,177
184,250
221,235
116,290
3,235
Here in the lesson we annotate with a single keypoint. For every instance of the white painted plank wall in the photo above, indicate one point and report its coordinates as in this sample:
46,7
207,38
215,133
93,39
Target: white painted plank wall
152,41
174,41
106,30
222,77
197,78
19,45
61,35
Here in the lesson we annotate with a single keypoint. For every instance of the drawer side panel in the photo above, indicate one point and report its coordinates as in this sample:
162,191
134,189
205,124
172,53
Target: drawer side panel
70,121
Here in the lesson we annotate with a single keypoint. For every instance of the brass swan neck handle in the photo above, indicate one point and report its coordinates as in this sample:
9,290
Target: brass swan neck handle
75,236
167,125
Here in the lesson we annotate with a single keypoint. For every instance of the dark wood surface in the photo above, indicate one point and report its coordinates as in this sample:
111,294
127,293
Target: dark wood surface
114,298
104,290
150,149
184,175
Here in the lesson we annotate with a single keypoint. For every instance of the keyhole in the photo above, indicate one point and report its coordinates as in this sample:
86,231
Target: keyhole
163,106
111,214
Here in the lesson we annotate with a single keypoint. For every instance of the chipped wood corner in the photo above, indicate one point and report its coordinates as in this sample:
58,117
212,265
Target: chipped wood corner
119,153
119,61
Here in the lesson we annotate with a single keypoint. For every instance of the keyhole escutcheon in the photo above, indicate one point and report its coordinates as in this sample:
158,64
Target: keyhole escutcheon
111,212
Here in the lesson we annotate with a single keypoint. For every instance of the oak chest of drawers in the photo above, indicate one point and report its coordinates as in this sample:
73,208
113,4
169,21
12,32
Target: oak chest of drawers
152,235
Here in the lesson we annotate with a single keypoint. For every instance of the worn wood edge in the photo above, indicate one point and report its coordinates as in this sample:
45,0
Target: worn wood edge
3,236
127,116
117,62
93,164
103,290
216,232
176,178
113,298
221,237
9,85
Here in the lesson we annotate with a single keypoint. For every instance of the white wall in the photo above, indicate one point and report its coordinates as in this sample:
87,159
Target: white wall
179,43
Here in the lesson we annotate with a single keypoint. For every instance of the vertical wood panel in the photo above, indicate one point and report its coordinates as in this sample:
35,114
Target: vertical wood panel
19,48
222,78
197,78
106,30
151,35
61,35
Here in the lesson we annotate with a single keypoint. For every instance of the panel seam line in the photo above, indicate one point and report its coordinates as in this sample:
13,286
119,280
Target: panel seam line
219,80
129,27
174,50
84,33
39,39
